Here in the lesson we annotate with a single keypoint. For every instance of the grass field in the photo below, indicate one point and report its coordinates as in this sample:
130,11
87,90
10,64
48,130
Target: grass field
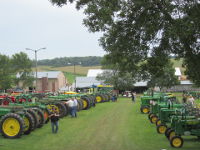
108,126
78,69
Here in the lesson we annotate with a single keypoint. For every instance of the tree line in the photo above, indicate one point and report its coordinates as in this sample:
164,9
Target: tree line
69,61
15,69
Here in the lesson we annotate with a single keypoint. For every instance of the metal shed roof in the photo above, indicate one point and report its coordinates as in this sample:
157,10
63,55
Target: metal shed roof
49,74
82,82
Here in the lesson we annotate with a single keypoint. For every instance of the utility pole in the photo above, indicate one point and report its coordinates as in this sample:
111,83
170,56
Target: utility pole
74,77
35,51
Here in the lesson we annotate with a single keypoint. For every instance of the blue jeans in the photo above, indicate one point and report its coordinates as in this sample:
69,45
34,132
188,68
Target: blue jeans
73,111
54,124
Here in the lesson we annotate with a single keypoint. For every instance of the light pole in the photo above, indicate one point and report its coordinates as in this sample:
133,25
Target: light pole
35,51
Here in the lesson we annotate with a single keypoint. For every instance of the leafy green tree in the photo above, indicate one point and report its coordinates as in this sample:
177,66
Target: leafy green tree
6,77
133,29
21,65
118,80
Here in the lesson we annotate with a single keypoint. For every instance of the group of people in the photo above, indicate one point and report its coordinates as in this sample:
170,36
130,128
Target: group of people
188,99
54,116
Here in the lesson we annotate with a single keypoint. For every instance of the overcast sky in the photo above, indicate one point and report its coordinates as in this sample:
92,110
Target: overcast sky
37,23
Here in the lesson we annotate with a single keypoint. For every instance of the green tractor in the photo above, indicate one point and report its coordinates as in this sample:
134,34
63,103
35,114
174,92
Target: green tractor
186,122
15,121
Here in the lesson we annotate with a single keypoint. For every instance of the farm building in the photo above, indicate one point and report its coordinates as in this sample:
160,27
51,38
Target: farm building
49,81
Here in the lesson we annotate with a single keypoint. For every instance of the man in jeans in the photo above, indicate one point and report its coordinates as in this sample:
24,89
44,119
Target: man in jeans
54,120
74,109
70,103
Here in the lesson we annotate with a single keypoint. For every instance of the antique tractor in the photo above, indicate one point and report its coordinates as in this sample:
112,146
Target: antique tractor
15,121
186,122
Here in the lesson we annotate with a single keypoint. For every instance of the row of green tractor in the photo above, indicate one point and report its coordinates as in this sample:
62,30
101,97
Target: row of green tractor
18,117
172,118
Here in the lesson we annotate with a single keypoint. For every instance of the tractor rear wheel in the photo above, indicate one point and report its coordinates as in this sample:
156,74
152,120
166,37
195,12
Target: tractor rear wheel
12,126
29,123
176,142
41,119
62,109
86,103
99,98
35,118
161,128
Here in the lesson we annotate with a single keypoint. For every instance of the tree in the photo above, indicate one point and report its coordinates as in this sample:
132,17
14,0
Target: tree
21,65
5,73
119,81
133,29
167,79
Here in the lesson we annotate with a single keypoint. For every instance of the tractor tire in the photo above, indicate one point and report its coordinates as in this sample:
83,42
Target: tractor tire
29,123
167,132
161,128
62,109
171,134
67,109
12,126
80,105
35,117
145,109
41,119
149,115
99,98
153,119
158,122
86,103
176,141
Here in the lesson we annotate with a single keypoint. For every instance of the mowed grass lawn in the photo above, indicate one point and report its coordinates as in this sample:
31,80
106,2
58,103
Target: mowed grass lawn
108,126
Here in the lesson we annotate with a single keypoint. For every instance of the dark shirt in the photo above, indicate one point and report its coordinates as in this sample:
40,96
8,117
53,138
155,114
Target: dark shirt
54,118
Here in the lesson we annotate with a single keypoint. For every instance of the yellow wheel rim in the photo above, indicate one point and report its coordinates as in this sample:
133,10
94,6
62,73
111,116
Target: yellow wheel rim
98,99
27,124
145,110
50,107
176,142
11,127
158,122
154,119
172,134
84,103
162,129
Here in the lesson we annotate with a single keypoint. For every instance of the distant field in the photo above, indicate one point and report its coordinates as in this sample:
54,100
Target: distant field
69,71
78,69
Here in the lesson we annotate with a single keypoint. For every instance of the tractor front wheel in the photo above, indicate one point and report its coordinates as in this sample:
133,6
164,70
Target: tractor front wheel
161,128
153,119
176,142
144,109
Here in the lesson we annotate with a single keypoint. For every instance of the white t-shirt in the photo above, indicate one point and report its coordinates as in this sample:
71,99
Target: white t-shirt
70,103
75,102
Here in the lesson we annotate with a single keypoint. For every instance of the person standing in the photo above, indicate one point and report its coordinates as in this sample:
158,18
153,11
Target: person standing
75,107
54,117
70,103
133,96
191,100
